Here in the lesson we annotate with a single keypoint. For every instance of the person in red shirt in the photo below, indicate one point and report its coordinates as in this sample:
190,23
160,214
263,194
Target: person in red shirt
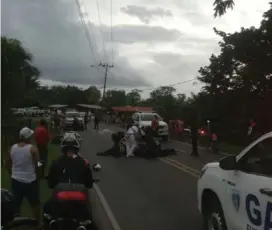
42,139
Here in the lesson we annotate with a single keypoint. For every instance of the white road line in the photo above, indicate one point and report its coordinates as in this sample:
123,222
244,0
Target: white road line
107,208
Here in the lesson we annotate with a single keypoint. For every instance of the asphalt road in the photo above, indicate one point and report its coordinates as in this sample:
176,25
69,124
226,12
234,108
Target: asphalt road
148,194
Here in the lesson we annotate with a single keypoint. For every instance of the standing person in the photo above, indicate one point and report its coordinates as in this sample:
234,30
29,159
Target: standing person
194,134
131,139
194,131
252,133
86,121
42,139
96,120
76,124
56,120
23,159
155,125
62,124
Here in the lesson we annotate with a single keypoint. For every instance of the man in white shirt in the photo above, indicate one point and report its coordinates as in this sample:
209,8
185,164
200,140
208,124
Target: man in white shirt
23,159
133,133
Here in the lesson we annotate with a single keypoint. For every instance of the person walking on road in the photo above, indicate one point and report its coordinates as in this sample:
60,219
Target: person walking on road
57,121
253,132
86,121
23,159
194,134
96,120
42,139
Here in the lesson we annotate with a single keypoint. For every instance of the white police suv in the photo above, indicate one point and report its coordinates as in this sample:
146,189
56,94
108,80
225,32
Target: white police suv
236,192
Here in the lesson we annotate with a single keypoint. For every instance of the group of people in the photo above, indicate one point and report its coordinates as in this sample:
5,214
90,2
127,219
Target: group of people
136,141
27,163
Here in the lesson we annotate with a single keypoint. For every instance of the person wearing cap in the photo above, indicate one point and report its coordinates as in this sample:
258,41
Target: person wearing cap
42,139
23,159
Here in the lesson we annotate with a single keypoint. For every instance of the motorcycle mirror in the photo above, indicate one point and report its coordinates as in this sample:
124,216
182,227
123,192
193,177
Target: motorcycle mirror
97,167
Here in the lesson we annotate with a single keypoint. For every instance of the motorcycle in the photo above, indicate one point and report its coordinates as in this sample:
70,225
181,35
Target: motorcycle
70,207
9,217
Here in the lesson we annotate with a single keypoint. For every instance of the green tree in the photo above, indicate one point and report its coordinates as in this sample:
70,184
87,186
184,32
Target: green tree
93,95
115,98
221,6
239,79
19,75
133,97
163,101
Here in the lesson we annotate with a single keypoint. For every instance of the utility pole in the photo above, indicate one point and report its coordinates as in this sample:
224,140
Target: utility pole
107,67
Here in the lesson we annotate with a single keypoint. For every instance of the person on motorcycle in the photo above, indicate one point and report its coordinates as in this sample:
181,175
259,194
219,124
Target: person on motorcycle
69,168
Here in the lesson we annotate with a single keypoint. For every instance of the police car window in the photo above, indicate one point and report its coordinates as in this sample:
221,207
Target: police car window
258,160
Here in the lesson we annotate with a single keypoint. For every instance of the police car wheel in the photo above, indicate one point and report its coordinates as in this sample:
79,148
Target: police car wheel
213,216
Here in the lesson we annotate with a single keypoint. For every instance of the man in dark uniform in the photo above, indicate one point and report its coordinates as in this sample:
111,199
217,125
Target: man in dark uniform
194,135
194,131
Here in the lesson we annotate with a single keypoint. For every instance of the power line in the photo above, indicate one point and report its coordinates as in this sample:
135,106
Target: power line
111,33
171,85
90,28
157,87
103,42
86,31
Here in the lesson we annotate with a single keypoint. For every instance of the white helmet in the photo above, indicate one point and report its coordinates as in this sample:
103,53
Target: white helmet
72,140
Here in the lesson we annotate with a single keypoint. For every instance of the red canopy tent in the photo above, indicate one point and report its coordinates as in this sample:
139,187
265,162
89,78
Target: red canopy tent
132,109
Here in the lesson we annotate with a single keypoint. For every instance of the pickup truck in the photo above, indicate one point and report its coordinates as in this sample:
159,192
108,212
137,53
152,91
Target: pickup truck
19,112
69,119
144,120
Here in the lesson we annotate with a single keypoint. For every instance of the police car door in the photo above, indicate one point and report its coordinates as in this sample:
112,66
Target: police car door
250,188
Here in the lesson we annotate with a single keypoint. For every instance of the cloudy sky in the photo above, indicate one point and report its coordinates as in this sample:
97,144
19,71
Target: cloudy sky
154,42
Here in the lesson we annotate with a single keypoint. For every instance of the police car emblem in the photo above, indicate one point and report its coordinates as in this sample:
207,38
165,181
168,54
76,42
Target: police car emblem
236,199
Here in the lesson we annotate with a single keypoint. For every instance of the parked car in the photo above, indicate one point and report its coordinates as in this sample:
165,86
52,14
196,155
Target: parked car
69,119
34,111
19,112
144,120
